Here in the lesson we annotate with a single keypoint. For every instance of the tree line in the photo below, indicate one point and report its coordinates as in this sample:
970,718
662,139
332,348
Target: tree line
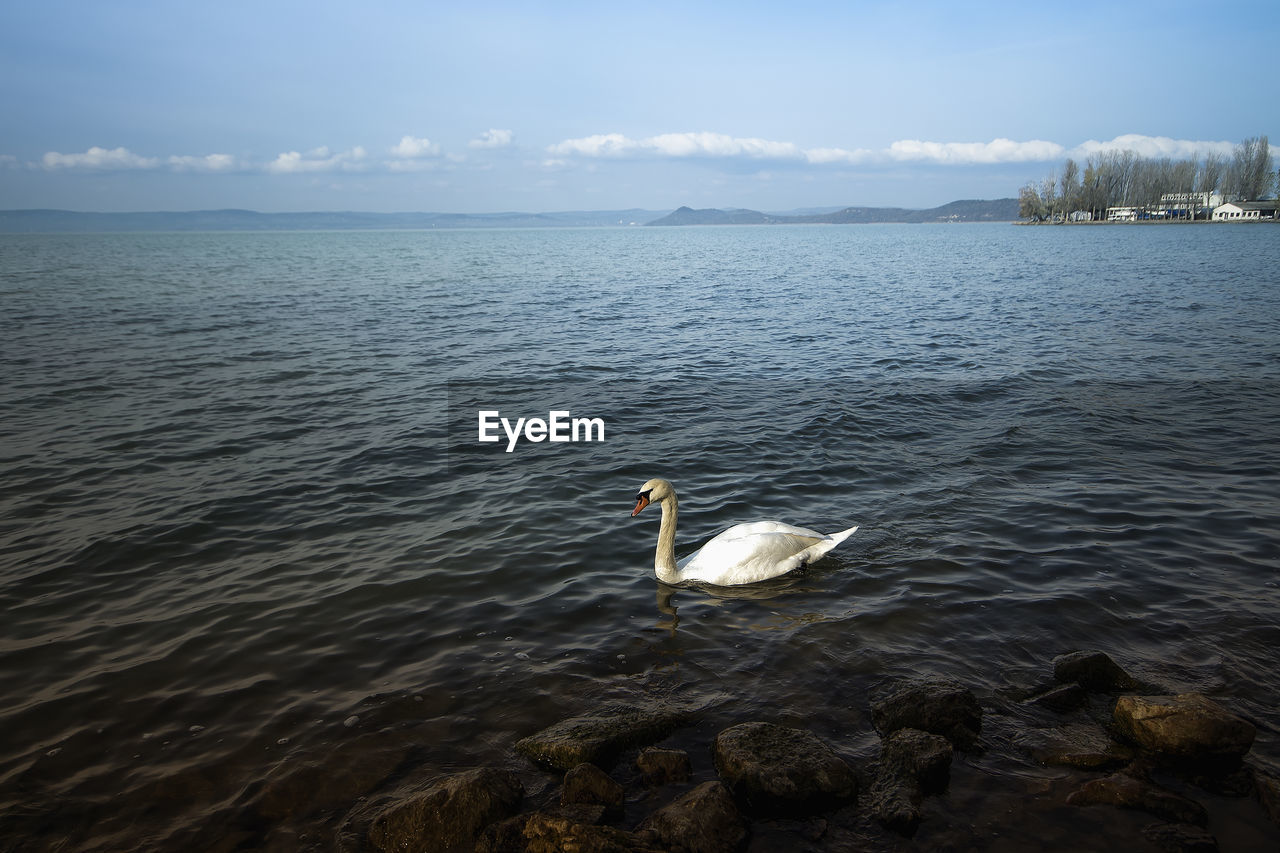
1125,179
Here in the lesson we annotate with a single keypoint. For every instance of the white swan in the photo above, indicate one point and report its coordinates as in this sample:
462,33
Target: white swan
745,553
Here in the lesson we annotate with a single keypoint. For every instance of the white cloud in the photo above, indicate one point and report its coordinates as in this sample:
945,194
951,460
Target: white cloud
720,145
970,153
493,138
412,147
681,145
207,163
8,161
1153,146
318,160
599,145
677,145
98,158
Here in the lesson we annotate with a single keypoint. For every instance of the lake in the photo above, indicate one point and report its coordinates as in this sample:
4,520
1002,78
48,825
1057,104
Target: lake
255,564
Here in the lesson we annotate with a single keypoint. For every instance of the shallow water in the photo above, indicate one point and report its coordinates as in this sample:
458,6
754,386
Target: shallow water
253,561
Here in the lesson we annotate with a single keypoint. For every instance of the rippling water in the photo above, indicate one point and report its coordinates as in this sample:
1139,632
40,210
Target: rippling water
254,564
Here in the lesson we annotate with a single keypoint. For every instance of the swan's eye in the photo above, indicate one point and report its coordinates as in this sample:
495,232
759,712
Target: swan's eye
644,496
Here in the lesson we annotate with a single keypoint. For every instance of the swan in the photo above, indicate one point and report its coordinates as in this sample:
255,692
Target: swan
745,553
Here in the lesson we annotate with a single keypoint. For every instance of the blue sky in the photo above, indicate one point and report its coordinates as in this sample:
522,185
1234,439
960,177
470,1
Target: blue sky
399,106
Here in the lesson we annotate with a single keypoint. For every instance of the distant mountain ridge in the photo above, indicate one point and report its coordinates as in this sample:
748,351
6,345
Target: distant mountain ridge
969,210
69,221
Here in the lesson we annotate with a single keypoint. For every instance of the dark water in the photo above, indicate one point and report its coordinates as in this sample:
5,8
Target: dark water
254,565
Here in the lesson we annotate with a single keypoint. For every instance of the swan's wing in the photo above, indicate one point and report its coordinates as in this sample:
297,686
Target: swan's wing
746,553
753,527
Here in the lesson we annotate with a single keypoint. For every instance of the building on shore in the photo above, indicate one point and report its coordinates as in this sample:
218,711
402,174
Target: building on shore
1202,206
1123,214
1245,211
1185,205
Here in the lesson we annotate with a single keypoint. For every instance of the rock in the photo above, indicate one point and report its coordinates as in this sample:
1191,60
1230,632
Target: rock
1187,726
1180,838
545,833
912,763
938,707
1062,698
663,766
450,813
598,737
1125,791
705,820
1075,745
590,813
777,770
505,836
587,784
1094,671
918,757
1267,787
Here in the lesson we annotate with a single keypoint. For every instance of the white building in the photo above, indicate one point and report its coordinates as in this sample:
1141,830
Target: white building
1186,205
1245,211
1122,214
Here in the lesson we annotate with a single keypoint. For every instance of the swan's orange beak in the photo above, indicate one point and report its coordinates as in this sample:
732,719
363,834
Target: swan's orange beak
641,503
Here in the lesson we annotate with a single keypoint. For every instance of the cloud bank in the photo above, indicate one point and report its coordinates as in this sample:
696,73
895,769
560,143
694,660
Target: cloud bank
318,160
676,145
414,153
99,158
997,151
1153,147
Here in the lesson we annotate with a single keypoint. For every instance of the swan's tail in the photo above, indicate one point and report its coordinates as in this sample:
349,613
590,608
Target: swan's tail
843,535
818,550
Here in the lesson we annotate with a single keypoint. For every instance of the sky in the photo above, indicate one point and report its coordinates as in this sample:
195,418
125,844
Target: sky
505,106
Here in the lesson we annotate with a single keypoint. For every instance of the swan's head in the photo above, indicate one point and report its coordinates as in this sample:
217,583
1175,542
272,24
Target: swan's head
654,491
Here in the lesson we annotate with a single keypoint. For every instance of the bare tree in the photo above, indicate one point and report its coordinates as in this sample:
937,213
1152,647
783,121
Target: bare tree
1049,193
1251,167
1070,187
1122,178
1091,189
1030,205
1212,167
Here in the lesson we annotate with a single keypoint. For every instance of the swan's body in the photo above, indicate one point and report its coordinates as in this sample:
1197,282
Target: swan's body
745,553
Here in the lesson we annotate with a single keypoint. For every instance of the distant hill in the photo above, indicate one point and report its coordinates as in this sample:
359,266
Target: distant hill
997,210
69,221
711,216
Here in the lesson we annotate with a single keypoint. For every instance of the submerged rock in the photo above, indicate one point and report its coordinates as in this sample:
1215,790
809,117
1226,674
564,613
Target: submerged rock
1061,697
450,813
1094,671
778,770
939,707
705,820
1267,788
544,833
598,737
1188,726
912,763
1129,792
588,785
1181,838
1080,745
663,766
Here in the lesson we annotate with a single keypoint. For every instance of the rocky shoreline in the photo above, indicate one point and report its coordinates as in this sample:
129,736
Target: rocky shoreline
783,785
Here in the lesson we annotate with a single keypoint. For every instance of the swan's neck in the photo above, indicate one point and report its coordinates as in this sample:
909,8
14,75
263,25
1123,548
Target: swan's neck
664,559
